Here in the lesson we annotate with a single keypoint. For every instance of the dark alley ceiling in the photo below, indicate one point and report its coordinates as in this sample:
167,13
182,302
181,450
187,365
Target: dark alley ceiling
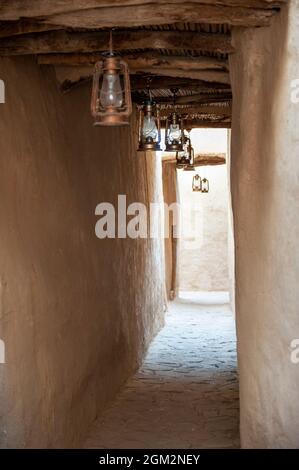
177,44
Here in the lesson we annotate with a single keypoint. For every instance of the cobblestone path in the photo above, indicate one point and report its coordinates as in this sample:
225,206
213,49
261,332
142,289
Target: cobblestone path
186,393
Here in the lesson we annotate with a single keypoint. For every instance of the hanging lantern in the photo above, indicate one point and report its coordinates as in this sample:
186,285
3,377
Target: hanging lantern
205,185
174,131
182,158
111,95
149,129
190,153
196,183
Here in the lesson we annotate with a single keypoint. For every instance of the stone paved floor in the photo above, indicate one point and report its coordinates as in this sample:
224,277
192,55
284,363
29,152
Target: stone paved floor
186,393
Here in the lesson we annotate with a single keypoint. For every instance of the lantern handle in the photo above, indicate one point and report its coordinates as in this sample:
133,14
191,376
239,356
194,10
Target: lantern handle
111,53
148,81
174,92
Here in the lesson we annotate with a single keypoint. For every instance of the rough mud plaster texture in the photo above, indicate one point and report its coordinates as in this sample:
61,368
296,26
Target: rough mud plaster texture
77,313
230,232
265,174
203,257
171,247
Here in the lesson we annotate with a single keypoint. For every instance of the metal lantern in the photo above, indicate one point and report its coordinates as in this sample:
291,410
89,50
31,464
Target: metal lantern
182,158
174,133
205,185
174,130
111,103
190,153
196,183
149,127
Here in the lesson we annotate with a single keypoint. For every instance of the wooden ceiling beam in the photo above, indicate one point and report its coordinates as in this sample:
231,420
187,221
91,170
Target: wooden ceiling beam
200,98
202,110
162,13
205,75
129,13
157,82
215,76
16,9
98,41
16,28
139,83
201,159
67,84
69,77
205,123
140,60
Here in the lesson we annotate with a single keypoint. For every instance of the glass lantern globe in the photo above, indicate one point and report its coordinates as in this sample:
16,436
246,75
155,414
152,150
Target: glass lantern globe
149,127
174,133
196,183
111,95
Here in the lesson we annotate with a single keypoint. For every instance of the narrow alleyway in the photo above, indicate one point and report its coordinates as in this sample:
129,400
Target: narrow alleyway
186,393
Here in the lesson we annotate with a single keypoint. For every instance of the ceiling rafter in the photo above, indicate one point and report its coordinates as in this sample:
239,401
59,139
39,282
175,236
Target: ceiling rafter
128,13
200,159
98,41
174,43
15,9
140,59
